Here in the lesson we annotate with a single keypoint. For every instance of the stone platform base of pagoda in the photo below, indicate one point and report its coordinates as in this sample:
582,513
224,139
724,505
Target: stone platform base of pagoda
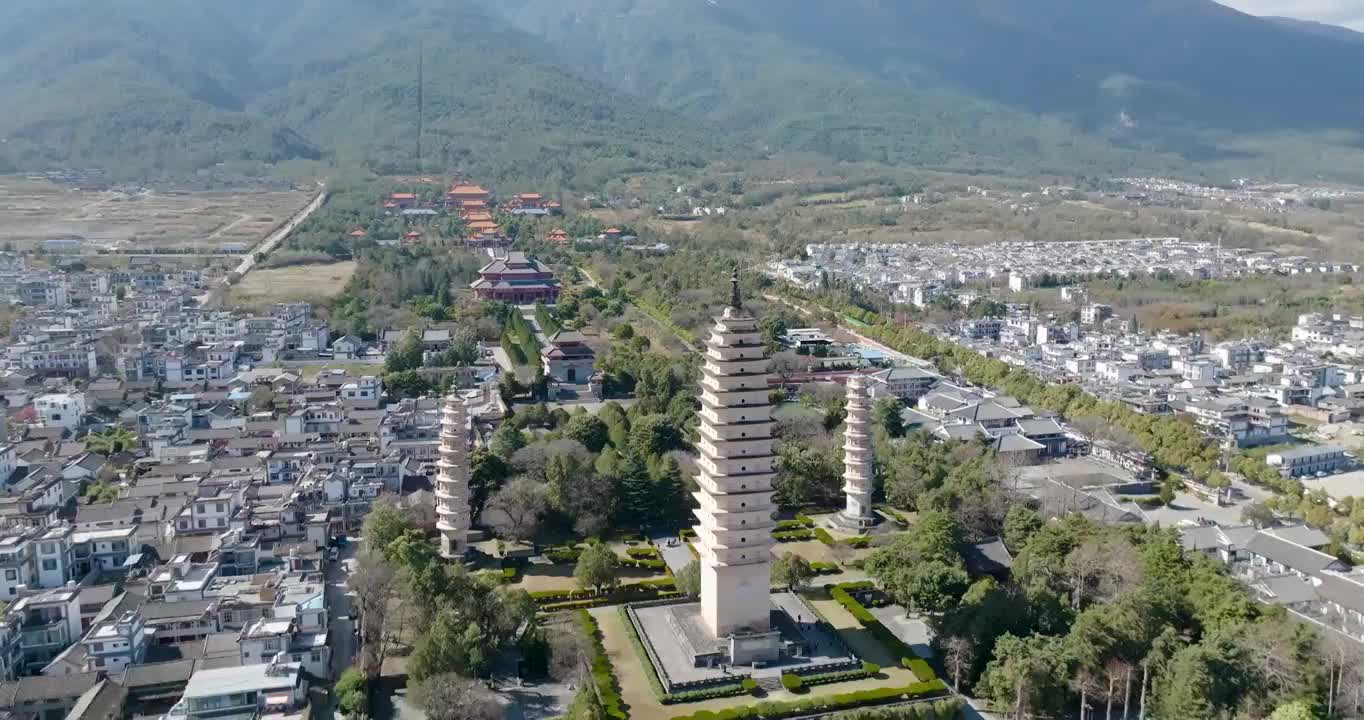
849,525
685,656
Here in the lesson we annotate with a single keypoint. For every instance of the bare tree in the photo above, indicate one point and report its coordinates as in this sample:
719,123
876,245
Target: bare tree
375,584
958,654
1344,673
786,365
533,460
420,507
1102,568
451,697
516,509
568,653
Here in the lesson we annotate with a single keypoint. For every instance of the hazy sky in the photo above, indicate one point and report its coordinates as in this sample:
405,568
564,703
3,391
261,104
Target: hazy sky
1349,13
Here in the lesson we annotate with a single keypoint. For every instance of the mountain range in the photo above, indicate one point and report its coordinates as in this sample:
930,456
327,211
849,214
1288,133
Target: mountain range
579,91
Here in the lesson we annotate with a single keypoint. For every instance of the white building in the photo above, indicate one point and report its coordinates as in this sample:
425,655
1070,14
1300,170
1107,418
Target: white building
366,393
246,691
736,467
114,644
452,482
858,476
9,462
63,410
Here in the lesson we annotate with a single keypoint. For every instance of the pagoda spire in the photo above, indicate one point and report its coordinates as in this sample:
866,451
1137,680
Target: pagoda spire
735,301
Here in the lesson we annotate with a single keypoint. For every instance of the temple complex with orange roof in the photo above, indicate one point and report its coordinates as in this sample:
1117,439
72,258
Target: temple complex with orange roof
467,195
528,203
516,279
403,200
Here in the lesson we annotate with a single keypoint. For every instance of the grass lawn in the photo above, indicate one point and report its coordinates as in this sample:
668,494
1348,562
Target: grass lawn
296,283
538,578
641,704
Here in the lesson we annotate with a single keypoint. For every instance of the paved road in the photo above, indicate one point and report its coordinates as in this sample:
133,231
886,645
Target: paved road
341,635
271,242
891,353
676,556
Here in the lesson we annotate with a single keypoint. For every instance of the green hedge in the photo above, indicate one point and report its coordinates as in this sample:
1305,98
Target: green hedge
611,599
603,676
665,583
793,535
823,536
883,635
710,693
804,520
791,682
823,568
657,685
835,677
566,555
643,564
645,553
686,534
825,704
944,709
643,590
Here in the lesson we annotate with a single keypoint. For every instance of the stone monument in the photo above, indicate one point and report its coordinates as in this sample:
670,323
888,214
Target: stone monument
858,474
735,478
452,481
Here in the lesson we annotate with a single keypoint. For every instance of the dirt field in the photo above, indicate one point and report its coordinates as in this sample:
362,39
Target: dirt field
34,212
297,283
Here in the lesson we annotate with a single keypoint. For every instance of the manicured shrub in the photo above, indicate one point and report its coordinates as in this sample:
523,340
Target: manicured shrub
644,564
870,668
831,703
603,675
823,536
793,683
804,520
749,685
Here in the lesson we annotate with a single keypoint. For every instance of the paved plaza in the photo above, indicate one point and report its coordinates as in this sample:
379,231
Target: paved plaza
675,633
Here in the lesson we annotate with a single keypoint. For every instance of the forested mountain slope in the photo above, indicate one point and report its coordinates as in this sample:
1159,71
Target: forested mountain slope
583,90
1010,84
127,86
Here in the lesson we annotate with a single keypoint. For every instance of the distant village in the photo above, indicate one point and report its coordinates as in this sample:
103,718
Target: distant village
1242,392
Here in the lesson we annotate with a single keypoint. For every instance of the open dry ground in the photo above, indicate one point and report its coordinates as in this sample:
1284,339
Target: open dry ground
296,283
35,211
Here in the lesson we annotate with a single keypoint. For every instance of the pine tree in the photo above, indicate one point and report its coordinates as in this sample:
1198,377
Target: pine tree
671,493
637,494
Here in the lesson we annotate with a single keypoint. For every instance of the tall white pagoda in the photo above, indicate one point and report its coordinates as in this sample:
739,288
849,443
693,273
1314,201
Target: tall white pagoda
858,478
452,482
735,497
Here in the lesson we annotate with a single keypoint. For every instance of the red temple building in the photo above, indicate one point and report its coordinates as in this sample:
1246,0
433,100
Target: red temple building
466,196
557,235
516,279
527,204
